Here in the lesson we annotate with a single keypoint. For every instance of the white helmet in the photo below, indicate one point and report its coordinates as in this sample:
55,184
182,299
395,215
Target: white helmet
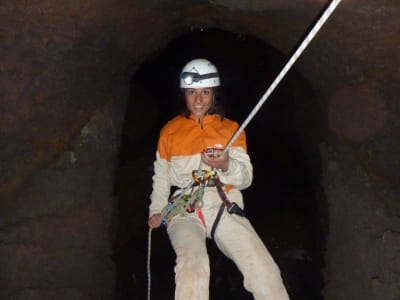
199,73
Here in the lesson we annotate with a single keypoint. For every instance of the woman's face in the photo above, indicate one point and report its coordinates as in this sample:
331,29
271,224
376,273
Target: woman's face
199,100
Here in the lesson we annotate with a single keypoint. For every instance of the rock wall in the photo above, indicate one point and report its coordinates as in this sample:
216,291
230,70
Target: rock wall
364,234
56,232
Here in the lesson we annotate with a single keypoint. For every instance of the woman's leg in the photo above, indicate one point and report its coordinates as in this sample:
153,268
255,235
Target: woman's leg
237,239
192,270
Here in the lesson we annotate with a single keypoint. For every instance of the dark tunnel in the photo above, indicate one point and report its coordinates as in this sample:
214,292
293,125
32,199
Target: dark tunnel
285,203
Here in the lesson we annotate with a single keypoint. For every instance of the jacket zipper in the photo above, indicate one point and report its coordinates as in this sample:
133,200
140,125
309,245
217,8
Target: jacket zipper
201,122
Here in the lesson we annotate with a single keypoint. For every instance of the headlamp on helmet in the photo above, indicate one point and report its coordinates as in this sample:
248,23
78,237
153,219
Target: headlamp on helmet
199,73
190,77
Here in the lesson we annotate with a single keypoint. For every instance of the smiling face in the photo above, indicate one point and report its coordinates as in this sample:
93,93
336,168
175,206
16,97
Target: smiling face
199,100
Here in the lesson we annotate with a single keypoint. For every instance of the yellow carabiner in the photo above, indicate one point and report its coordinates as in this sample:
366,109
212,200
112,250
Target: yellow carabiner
202,176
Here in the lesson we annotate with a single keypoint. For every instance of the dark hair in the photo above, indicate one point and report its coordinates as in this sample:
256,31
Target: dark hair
215,108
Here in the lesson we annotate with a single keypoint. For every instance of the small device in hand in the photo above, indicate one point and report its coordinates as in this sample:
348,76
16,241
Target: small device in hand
210,151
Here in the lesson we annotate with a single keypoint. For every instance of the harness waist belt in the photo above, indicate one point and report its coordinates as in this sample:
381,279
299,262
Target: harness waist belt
209,183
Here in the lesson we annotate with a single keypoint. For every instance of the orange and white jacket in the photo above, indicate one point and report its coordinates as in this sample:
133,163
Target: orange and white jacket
179,150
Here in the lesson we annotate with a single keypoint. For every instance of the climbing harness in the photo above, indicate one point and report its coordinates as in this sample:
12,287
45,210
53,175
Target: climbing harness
184,202
231,207
181,203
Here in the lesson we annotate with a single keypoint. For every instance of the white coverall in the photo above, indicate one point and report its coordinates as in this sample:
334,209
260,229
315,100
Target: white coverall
178,154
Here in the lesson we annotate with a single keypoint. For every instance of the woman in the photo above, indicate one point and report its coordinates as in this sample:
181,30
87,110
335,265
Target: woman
190,156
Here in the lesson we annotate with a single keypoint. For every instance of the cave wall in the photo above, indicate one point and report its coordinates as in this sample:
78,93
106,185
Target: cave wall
56,231
64,79
65,74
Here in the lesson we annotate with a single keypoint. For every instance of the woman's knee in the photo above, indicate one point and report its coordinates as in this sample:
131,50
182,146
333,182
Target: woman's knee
192,266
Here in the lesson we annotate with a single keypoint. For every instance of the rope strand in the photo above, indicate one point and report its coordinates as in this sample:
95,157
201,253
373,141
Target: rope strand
285,69
148,265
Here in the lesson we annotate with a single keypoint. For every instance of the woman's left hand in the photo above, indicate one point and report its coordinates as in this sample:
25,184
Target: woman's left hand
218,160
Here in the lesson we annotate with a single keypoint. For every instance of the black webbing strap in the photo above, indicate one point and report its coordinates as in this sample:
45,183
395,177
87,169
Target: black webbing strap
221,192
216,221
231,207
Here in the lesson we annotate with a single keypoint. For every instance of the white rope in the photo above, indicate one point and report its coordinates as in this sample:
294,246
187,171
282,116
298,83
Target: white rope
148,265
285,69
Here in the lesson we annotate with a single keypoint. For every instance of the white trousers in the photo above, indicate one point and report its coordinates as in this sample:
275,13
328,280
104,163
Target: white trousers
237,239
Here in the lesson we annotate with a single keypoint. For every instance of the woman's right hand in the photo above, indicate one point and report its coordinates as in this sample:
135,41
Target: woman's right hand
154,221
